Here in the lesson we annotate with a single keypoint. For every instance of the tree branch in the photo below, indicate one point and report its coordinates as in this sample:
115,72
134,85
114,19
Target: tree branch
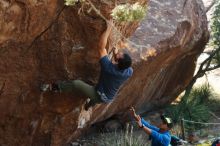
212,68
208,59
202,71
208,63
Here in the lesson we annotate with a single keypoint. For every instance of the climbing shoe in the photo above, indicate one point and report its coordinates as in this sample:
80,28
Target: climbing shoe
87,106
45,87
49,87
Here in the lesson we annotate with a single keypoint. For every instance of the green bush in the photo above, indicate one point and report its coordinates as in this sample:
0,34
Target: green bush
195,107
72,2
129,12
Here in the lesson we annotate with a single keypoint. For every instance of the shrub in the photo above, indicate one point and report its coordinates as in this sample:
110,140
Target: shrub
129,12
72,2
195,107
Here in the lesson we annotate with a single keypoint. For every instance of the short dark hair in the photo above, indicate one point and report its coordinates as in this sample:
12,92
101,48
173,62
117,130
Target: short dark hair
167,121
125,62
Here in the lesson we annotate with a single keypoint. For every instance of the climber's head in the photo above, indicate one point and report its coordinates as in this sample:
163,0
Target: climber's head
123,60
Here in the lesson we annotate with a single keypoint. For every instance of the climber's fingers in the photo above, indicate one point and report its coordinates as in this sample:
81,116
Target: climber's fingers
132,109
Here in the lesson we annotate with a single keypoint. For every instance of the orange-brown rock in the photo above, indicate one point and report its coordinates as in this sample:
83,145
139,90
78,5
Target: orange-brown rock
43,41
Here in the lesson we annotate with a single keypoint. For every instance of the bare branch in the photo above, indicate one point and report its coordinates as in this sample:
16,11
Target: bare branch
214,115
207,60
201,71
212,68
208,63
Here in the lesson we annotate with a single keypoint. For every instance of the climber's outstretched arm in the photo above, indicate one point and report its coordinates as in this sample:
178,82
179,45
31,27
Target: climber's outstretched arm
104,38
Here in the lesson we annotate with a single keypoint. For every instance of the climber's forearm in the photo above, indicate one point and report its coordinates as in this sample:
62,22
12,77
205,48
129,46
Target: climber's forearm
137,117
147,130
102,44
134,115
103,39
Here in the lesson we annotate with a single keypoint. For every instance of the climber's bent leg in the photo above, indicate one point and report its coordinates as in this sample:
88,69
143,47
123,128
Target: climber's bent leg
84,88
66,86
78,86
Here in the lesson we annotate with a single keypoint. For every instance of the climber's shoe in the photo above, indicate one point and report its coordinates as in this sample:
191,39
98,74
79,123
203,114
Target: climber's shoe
88,104
49,87
45,87
55,87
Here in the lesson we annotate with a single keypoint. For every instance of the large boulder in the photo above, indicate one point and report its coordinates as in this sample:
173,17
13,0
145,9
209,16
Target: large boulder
44,41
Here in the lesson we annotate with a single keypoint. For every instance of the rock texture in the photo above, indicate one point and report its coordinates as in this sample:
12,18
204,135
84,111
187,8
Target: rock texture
43,41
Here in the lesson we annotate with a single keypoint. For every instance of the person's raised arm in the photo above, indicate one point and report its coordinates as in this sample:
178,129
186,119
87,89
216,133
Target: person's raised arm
146,124
104,38
146,129
142,121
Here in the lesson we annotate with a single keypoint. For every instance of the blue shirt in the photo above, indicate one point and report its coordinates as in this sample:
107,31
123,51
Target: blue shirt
158,138
111,78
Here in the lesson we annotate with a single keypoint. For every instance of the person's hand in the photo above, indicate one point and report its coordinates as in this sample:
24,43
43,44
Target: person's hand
104,39
133,113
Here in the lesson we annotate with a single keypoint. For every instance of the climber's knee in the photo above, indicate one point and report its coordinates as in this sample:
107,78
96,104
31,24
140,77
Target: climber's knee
76,83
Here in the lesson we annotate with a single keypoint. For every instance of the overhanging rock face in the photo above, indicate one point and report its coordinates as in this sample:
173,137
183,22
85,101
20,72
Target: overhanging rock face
43,41
175,33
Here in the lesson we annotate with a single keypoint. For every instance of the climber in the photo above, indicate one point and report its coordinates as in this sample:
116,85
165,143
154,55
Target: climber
159,136
112,76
